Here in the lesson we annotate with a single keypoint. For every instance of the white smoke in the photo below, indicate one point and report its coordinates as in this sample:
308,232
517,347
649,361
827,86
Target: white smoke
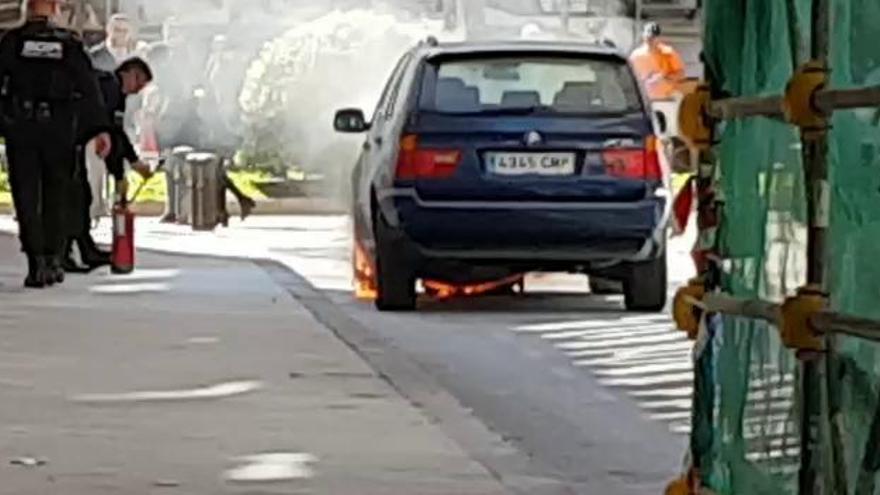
293,63
300,79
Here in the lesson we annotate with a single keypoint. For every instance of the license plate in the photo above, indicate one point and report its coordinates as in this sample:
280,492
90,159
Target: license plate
552,164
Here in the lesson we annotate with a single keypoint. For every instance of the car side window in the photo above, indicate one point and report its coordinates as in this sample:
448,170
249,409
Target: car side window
394,97
389,93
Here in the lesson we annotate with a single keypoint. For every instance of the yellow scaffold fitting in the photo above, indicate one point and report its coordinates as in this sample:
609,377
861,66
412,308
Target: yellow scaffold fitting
687,484
694,123
680,486
795,327
800,108
685,313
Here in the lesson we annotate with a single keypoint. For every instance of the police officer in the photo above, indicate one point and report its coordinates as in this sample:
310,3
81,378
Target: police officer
48,92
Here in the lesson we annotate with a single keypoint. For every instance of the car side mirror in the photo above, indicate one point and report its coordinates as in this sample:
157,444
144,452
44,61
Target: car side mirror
350,120
662,123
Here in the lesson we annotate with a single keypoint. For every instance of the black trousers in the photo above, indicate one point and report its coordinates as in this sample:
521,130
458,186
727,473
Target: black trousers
80,220
40,175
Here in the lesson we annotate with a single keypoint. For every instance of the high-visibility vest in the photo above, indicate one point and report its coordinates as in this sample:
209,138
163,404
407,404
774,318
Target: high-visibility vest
662,61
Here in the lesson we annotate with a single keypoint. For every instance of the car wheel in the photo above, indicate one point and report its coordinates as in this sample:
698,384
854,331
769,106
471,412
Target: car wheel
395,279
604,287
645,286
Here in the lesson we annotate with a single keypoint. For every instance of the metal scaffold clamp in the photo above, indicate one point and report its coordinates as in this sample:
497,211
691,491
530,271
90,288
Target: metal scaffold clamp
795,325
694,121
800,99
687,484
686,310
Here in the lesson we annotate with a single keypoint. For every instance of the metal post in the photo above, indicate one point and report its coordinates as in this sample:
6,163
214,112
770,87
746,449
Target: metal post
815,158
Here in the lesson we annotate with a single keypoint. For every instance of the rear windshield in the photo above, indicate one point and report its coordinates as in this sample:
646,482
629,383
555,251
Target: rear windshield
565,85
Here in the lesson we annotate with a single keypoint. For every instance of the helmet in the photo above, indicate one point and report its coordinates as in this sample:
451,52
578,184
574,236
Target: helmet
651,30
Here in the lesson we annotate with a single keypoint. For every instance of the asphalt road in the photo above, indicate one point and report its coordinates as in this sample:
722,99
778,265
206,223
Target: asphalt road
589,391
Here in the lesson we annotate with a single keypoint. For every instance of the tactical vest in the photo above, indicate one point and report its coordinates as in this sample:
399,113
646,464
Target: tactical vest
38,86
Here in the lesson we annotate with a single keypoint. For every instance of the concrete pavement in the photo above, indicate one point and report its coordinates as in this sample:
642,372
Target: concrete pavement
197,376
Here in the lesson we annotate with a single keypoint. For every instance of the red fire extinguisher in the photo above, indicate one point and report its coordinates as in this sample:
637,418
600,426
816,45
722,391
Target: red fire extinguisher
122,258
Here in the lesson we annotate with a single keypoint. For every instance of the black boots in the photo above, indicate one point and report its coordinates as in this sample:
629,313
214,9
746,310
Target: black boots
43,271
39,273
55,270
92,257
36,273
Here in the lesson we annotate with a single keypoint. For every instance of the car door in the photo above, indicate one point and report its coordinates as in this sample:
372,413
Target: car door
380,147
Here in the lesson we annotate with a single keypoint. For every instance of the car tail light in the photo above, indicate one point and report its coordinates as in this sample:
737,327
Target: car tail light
634,163
414,162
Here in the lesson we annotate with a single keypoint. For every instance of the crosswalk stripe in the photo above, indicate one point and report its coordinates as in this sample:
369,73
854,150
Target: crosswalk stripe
667,404
613,343
605,333
648,380
671,416
587,324
648,369
654,348
627,360
665,392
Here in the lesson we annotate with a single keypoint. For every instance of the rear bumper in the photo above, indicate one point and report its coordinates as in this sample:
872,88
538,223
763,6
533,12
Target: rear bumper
529,231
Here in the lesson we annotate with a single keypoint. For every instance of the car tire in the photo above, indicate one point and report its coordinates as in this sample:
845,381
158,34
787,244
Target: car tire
604,287
645,287
395,279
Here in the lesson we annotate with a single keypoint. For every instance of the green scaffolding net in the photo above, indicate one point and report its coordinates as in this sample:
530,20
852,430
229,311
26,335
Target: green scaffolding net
749,408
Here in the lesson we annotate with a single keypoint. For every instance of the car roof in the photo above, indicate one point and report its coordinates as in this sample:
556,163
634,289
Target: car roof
433,49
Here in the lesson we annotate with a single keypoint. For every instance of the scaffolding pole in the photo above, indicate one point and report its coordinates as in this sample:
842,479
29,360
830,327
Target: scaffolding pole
815,156
826,101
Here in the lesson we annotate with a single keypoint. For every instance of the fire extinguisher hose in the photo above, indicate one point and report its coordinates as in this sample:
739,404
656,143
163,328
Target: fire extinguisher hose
144,183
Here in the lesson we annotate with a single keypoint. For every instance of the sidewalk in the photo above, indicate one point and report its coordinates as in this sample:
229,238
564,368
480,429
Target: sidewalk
198,376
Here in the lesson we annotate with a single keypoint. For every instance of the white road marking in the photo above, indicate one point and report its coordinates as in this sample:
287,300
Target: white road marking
665,392
221,391
601,334
614,343
136,288
645,381
145,274
648,369
274,467
675,346
619,360
587,324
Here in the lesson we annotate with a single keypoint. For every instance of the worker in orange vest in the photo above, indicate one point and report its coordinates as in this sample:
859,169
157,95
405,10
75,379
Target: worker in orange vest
658,65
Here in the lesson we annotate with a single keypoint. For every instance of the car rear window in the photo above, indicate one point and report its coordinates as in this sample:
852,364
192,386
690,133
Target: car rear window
556,84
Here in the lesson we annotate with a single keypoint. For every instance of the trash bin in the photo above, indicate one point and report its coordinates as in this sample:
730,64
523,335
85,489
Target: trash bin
176,207
204,179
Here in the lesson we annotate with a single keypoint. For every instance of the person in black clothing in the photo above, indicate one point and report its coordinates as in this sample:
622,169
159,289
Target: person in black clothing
47,90
128,79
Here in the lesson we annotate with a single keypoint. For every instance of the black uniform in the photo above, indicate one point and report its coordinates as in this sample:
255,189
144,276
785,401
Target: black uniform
48,93
122,149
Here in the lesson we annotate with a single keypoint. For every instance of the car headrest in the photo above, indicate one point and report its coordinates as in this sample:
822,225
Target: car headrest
575,94
454,96
520,99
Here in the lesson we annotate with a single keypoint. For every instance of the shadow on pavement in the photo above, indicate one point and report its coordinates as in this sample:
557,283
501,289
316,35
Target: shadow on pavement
537,302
